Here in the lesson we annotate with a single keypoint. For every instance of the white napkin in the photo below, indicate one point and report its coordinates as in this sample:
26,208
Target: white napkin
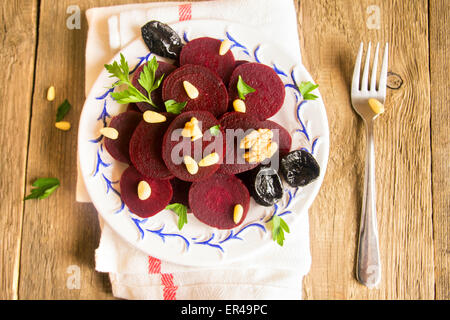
274,274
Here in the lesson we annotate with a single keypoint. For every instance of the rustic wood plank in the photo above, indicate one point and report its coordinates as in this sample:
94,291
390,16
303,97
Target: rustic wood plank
331,34
59,234
440,143
18,42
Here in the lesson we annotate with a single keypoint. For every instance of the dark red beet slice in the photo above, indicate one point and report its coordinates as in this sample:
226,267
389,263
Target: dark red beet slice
284,138
205,52
146,148
213,96
125,123
180,191
163,68
269,95
233,161
133,107
159,197
175,147
212,200
237,63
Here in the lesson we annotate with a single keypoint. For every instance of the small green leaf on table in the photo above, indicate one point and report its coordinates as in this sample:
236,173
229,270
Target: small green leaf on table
43,188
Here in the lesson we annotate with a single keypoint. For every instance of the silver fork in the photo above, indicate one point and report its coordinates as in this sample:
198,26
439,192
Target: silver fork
368,270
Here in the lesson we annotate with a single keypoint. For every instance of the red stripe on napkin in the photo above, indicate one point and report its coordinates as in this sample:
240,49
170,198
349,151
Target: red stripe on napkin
154,265
169,289
184,12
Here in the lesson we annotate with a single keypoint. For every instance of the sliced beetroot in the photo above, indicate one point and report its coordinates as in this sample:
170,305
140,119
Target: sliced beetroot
233,160
213,96
161,193
269,92
125,123
205,52
284,138
180,191
237,63
133,107
175,147
163,68
146,148
212,201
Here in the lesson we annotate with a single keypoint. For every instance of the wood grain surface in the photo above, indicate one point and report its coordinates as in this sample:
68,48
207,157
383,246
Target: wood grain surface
402,144
45,243
17,57
440,141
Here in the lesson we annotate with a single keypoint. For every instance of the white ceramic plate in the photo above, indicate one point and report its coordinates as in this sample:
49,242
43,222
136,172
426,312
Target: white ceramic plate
198,244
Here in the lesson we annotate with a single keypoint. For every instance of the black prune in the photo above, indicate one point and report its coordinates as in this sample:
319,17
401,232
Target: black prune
264,185
299,168
161,39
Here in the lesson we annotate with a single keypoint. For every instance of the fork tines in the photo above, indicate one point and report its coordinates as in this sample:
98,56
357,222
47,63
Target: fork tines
364,85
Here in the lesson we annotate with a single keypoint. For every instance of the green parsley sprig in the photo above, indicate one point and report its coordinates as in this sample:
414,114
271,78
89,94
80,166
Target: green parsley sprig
215,130
146,79
279,226
243,89
305,87
174,107
181,211
63,109
43,188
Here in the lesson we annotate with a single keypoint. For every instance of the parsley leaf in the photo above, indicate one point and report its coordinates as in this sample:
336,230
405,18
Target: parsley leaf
278,227
119,71
43,188
215,130
181,212
146,80
174,107
62,110
147,76
243,88
305,88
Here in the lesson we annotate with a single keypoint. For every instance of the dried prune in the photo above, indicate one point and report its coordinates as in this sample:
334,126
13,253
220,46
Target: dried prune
299,168
161,39
264,184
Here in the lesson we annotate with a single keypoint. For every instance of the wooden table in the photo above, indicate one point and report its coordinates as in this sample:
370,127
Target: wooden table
46,243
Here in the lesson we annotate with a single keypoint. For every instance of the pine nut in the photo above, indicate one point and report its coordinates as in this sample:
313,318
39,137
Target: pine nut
238,212
253,157
153,117
225,46
110,133
63,125
260,145
51,93
209,160
191,165
196,137
376,106
239,105
249,140
265,134
196,133
273,147
191,91
144,190
192,130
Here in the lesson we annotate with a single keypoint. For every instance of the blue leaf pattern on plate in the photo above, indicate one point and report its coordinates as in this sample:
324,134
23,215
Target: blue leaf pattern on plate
212,241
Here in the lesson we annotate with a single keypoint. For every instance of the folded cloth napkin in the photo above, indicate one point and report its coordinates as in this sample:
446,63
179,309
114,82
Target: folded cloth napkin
273,274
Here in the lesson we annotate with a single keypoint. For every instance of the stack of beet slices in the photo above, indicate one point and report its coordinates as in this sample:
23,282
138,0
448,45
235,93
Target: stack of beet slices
157,152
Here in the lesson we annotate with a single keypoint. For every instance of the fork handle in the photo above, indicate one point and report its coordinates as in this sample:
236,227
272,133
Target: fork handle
368,261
